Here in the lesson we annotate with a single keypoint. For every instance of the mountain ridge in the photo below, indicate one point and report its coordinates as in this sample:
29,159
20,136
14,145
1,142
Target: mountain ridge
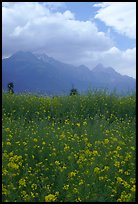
33,71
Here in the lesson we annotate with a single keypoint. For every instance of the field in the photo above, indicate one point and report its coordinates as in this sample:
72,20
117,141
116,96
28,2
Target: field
68,148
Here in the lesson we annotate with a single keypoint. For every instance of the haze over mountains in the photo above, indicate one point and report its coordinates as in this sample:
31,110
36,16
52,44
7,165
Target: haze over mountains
39,73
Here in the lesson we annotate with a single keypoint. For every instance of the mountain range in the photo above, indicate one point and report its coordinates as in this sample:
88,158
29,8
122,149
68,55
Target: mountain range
39,73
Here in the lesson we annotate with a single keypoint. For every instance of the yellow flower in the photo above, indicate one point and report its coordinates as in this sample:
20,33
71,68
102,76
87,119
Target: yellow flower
34,186
133,189
4,190
35,139
119,180
101,178
97,170
106,168
75,190
95,152
8,143
132,180
81,182
118,148
22,182
126,173
66,148
4,172
13,165
78,199
84,123
78,124
120,170
114,191
117,164
50,198
71,174
106,141
57,163
7,129
66,187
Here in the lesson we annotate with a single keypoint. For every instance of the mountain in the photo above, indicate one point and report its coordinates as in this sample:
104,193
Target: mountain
35,72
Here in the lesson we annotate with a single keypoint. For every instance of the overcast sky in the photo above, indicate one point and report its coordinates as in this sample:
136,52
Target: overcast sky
73,32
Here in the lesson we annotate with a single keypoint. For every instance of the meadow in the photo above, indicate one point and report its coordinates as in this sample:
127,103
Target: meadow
68,148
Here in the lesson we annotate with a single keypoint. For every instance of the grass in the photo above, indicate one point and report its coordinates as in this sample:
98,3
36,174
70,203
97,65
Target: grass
68,148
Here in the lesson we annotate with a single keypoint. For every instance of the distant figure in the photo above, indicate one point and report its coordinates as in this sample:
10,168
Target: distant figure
10,87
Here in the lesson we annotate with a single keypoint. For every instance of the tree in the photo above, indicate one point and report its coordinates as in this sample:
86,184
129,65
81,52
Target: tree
73,91
10,87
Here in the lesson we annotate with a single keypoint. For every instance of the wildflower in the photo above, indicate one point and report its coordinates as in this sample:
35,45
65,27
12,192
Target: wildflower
7,129
106,168
4,190
78,199
81,182
120,170
34,186
22,182
133,189
119,180
106,141
66,148
126,185
13,165
126,173
117,164
114,191
97,170
4,172
8,143
132,180
66,187
50,198
75,190
95,152
71,174
84,123
57,163
35,139
118,148
78,124
101,178
125,197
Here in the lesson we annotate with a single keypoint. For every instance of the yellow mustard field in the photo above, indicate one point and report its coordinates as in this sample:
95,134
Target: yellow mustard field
68,148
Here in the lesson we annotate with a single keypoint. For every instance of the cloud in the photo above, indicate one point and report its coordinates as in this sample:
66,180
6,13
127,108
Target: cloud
123,61
54,5
33,26
53,31
121,16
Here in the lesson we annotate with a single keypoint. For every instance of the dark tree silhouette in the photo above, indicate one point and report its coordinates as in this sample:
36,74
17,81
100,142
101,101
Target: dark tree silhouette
10,87
73,91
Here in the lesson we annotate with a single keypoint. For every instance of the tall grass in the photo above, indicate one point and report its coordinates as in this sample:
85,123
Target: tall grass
68,148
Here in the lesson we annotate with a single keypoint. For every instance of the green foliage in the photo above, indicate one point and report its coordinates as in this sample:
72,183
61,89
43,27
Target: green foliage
68,148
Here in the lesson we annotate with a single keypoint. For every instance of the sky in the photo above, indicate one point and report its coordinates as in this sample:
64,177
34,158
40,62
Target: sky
77,33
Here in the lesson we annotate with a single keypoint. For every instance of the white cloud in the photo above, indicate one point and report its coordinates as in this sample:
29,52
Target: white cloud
55,32
121,16
54,5
32,26
123,61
